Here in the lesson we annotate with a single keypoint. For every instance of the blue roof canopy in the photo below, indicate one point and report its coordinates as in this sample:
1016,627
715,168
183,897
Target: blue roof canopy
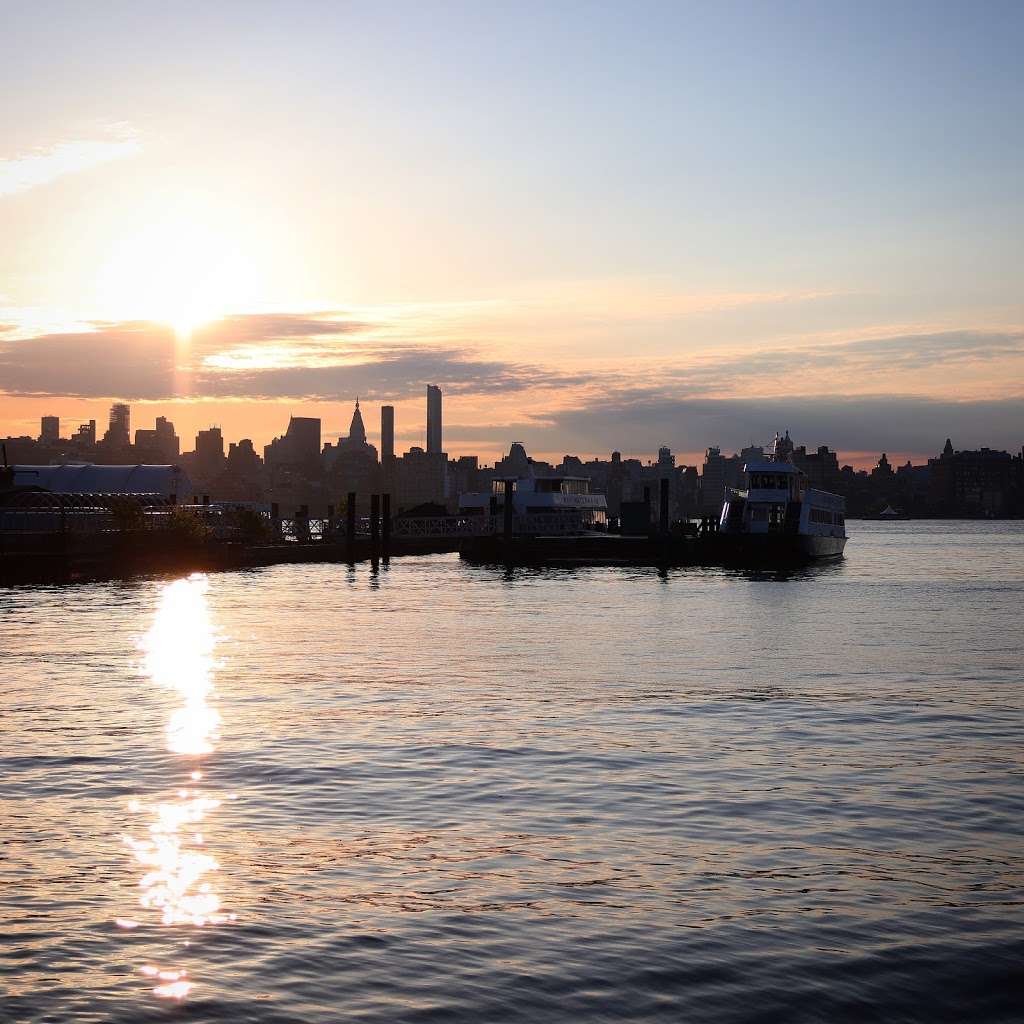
87,478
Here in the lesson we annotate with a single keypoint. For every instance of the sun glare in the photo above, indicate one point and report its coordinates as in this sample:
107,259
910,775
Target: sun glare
184,264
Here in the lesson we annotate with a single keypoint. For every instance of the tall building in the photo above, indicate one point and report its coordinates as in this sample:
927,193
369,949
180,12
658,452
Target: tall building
49,429
387,436
242,479
242,457
972,482
209,451
821,468
421,478
158,445
119,431
720,472
351,464
85,436
298,448
434,445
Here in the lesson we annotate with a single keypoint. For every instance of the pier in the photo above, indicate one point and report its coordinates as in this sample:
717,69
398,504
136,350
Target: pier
77,538
55,538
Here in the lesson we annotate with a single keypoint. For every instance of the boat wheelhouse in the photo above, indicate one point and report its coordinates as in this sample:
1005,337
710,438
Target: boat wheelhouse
778,514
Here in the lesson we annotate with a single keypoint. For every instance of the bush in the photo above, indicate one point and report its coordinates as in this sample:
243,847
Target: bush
185,525
127,513
250,526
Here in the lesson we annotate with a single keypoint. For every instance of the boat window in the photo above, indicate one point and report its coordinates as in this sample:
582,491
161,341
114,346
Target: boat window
759,513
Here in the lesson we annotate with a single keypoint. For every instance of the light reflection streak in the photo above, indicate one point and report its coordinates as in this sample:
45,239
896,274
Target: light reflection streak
179,655
177,881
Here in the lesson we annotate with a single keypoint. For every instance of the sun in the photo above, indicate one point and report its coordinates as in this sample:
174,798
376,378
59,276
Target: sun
184,264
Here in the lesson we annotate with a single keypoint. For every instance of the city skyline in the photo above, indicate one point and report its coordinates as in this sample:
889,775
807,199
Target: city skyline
138,441
669,229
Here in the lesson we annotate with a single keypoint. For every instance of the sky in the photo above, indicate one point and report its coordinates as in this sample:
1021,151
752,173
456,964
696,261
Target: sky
596,226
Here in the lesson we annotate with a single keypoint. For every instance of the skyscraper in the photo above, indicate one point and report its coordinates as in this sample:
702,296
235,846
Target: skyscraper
210,451
299,447
434,445
160,445
119,432
387,436
49,429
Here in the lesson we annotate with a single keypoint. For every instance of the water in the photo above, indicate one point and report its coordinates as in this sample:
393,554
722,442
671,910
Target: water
439,792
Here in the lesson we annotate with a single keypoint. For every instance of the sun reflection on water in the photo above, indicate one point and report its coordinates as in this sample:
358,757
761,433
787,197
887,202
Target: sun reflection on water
177,884
179,655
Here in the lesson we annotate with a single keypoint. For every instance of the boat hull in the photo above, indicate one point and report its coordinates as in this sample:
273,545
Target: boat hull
774,548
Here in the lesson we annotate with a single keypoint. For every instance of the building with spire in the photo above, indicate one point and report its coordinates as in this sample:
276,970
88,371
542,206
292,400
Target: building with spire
351,464
356,442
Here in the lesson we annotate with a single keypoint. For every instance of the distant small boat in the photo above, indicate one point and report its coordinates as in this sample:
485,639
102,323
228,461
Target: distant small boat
888,513
776,517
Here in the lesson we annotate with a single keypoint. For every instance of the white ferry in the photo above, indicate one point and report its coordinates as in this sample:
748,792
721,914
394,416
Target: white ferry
536,499
777,516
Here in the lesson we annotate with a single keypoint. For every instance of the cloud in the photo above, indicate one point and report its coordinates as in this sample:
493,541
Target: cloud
385,374
856,361
124,360
241,328
641,420
257,356
17,174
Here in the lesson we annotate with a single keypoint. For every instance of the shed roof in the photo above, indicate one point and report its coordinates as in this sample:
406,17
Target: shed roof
85,477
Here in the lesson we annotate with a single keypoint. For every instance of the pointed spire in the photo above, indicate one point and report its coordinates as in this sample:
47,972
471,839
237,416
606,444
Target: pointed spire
356,431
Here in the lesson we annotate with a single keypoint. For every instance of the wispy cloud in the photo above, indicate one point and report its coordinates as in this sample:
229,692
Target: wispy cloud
29,170
638,421
258,356
864,365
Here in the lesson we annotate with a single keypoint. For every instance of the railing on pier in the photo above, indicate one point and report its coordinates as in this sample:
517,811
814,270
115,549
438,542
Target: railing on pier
47,513
95,514
443,526
531,524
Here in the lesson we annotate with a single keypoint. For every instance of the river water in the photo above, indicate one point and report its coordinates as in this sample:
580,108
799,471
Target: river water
439,792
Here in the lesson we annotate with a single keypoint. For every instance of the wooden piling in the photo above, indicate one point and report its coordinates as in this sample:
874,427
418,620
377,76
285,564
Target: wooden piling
350,522
386,525
509,484
374,521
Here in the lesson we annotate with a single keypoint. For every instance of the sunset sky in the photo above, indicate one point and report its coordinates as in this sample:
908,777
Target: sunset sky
595,226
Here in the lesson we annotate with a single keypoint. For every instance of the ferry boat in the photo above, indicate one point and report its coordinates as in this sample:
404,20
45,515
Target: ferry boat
542,503
777,517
